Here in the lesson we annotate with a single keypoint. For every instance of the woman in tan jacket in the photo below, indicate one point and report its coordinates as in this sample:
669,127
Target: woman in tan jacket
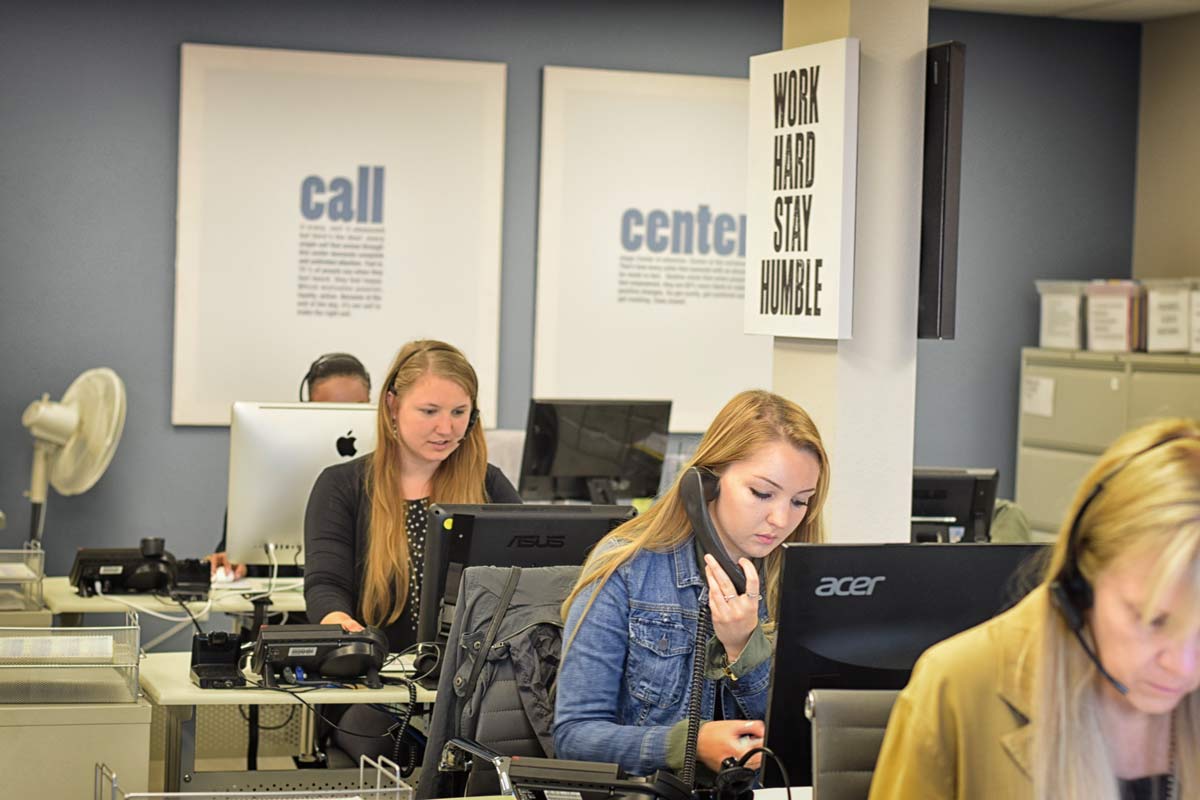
1087,688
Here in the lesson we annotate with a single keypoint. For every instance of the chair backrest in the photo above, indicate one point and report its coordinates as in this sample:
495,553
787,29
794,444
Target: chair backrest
500,664
847,732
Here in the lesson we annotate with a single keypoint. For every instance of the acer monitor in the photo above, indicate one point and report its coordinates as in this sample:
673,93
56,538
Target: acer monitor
502,535
594,451
953,504
276,452
858,616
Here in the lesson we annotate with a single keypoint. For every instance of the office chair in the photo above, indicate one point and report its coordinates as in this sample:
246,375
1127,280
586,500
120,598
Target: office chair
847,732
496,680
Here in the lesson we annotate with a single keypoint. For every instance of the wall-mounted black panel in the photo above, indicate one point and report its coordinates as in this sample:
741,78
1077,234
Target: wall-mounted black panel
939,200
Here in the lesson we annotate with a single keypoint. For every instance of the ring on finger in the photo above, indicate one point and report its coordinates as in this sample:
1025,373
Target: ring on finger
754,596
729,597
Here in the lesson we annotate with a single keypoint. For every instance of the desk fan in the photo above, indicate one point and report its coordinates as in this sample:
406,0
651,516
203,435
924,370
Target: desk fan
73,439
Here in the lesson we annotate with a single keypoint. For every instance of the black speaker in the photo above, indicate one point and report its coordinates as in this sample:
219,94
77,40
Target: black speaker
939,197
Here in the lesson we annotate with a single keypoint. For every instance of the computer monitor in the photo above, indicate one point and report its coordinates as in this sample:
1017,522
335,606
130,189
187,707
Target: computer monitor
502,535
953,505
858,616
595,451
276,452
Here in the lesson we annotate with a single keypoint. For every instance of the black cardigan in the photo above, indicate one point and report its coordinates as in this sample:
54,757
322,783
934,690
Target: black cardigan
336,522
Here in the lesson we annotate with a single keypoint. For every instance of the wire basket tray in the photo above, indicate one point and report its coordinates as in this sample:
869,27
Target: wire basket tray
21,573
70,665
378,779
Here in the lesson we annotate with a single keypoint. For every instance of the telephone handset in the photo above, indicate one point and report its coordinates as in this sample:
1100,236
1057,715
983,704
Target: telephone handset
699,487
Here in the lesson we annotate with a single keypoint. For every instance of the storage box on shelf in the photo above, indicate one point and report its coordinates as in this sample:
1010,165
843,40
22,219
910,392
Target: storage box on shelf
1168,314
1116,316
1061,314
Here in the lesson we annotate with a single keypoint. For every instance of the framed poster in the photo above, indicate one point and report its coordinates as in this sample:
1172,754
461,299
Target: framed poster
641,242
803,171
331,202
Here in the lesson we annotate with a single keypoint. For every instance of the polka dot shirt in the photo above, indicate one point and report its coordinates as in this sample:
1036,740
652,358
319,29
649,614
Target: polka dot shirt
416,520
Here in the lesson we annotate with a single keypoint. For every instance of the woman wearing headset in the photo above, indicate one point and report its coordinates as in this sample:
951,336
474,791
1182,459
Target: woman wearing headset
1088,687
364,529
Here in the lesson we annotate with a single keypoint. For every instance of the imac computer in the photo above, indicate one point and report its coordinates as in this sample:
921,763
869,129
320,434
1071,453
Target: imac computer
953,505
594,451
502,535
276,452
858,616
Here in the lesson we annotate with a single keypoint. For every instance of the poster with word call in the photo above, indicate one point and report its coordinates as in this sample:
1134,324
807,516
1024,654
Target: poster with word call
331,202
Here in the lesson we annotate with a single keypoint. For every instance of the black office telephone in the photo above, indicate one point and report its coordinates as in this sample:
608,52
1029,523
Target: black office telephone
698,487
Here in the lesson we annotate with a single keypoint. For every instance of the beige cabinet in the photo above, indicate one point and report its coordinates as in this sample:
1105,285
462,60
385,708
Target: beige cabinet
53,749
1073,404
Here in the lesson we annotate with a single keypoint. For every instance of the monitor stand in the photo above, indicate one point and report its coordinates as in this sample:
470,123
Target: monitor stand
602,491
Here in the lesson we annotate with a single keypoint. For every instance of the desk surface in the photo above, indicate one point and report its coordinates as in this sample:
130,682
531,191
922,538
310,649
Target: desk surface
165,678
60,597
798,793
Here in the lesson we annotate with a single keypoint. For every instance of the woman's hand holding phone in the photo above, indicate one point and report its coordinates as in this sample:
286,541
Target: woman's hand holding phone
734,616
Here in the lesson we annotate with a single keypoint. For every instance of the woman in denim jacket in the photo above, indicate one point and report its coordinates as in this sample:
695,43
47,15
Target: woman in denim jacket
624,684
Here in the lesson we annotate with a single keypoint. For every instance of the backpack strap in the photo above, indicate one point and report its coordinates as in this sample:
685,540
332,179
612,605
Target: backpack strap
514,576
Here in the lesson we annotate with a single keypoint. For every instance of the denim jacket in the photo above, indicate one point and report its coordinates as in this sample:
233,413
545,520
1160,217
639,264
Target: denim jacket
625,678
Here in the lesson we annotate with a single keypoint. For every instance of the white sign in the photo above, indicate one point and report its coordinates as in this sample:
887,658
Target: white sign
331,202
641,237
803,151
1037,396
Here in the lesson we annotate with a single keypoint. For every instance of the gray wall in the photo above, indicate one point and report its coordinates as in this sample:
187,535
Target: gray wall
88,137
1049,152
89,104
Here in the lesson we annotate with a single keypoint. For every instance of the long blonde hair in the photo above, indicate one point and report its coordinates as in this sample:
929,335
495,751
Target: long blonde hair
459,479
748,422
1148,501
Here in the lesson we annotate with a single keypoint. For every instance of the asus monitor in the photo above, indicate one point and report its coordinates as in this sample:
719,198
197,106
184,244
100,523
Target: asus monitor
859,616
594,451
502,535
276,452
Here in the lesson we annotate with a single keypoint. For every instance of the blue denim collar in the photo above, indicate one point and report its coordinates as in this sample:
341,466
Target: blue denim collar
687,570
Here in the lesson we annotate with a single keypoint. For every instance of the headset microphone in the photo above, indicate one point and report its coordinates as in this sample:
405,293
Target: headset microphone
1073,617
1120,687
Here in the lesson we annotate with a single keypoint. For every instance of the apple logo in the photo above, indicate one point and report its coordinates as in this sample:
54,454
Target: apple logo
345,445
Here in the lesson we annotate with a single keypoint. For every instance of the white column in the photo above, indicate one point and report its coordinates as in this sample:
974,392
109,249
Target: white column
861,391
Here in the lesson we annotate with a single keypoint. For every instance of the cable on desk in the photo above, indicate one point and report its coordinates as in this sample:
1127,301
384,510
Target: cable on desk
188,611
304,689
418,649
203,612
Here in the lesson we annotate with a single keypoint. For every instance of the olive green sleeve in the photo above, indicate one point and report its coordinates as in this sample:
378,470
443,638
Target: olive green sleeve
757,650
677,745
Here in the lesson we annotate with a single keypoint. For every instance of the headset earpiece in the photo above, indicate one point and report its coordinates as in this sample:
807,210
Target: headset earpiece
471,421
1068,603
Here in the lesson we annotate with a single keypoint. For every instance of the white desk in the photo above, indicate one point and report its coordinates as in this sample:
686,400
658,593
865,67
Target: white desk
166,681
61,598
798,793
